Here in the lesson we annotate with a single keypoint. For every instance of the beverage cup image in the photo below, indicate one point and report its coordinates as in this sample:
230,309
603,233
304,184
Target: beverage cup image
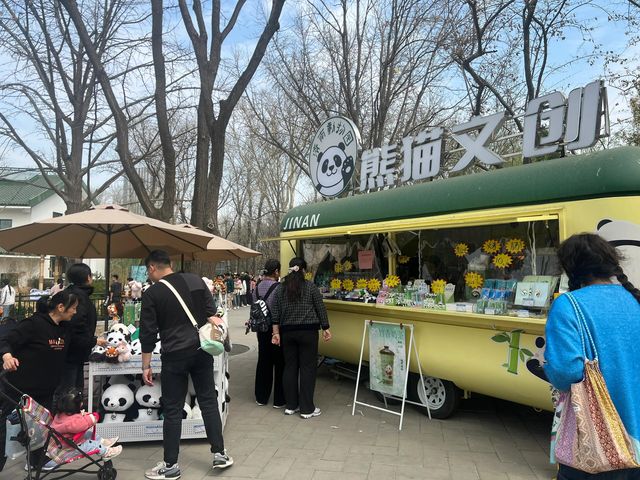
386,365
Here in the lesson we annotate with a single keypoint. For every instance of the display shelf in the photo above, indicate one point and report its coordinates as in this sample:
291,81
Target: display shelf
148,431
152,431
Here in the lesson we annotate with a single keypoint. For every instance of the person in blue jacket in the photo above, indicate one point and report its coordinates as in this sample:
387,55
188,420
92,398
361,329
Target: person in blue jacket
611,306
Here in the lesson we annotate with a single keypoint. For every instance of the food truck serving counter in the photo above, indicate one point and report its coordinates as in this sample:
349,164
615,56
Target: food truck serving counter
470,261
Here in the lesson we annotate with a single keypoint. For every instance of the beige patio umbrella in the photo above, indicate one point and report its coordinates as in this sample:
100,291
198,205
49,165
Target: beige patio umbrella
218,249
104,231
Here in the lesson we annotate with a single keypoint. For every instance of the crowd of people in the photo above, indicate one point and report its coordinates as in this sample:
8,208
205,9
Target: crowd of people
45,354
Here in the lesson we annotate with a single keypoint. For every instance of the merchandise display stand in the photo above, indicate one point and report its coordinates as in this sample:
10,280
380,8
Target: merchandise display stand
152,431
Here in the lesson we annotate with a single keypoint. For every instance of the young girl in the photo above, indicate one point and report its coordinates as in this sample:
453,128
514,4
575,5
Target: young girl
72,422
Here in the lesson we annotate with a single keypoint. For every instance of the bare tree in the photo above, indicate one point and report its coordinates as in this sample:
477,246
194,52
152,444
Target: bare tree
119,108
53,84
207,46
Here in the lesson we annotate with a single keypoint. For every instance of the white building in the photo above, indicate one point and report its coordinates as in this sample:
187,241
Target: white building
26,197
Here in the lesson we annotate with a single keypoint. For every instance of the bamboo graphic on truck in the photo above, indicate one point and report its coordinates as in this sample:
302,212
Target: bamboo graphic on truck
515,354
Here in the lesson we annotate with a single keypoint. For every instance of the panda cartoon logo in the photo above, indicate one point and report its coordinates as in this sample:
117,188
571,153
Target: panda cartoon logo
333,170
625,236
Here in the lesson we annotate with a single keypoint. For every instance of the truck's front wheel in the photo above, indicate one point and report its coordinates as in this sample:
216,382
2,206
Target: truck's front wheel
442,396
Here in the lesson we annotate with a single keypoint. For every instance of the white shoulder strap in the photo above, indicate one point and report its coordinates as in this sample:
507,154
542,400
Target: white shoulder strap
184,305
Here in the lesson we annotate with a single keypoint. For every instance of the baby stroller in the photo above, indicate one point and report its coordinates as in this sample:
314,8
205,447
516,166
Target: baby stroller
36,432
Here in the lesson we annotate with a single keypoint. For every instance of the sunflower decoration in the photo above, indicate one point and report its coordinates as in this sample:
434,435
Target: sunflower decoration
491,246
361,283
403,259
437,286
473,279
373,285
392,281
308,276
336,284
502,260
338,267
347,284
347,266
514,246
461,249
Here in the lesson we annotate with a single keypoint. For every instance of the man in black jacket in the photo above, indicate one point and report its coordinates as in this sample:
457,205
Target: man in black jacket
82,325
181,356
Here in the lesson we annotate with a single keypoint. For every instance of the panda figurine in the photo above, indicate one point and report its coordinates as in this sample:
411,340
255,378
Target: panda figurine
148,397
116,400
334,170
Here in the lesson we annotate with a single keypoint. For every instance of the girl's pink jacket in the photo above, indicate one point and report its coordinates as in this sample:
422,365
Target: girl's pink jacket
74,426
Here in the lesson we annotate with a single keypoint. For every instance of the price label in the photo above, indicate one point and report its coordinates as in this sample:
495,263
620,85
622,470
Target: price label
461,307
153,429
490,311
198,429
523,313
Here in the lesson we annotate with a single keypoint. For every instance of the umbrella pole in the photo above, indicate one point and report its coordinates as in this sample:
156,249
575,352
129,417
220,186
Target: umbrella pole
107,272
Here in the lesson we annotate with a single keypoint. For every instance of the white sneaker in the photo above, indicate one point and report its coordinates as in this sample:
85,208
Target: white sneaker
110,442
112,452
162,472
316,413
288,411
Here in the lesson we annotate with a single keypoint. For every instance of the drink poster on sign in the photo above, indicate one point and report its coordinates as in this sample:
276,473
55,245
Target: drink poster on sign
365,259
387,359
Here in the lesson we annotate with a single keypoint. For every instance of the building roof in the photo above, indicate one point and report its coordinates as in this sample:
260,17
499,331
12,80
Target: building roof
26,189
608,173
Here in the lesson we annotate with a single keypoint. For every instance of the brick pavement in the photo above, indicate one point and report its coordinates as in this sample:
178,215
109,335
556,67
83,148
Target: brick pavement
486,440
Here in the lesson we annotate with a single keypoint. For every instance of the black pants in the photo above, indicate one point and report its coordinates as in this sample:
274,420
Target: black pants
269,371
568,473
73,376
300,348
174,378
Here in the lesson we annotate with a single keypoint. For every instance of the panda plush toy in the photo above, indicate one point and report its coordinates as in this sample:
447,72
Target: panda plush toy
148,397
115,338
116,400
97,354
136,347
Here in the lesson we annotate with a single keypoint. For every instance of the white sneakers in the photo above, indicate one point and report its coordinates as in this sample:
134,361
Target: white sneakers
316,413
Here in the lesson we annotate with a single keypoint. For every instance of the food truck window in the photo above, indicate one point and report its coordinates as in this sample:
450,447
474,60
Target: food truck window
346,259
473,258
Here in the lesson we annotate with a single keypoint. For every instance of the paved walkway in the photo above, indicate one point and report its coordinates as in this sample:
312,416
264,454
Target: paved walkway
486,440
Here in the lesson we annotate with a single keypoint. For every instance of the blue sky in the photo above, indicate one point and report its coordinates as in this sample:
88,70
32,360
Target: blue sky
250,23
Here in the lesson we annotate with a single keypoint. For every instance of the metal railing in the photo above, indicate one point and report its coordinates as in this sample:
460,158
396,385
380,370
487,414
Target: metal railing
25,306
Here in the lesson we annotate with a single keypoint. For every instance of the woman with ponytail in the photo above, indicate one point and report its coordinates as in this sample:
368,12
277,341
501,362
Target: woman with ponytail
34,353
611,306
298,313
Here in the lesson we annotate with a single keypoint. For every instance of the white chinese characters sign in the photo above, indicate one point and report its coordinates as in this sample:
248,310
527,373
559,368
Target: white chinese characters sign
550,122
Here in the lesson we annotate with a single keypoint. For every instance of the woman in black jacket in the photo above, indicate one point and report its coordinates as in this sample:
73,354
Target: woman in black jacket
33,356
83,325
298,313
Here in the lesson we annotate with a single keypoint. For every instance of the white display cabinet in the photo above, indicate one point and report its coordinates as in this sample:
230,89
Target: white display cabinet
152,431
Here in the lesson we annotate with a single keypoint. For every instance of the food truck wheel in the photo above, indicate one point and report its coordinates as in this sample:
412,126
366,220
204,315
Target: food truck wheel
442,396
